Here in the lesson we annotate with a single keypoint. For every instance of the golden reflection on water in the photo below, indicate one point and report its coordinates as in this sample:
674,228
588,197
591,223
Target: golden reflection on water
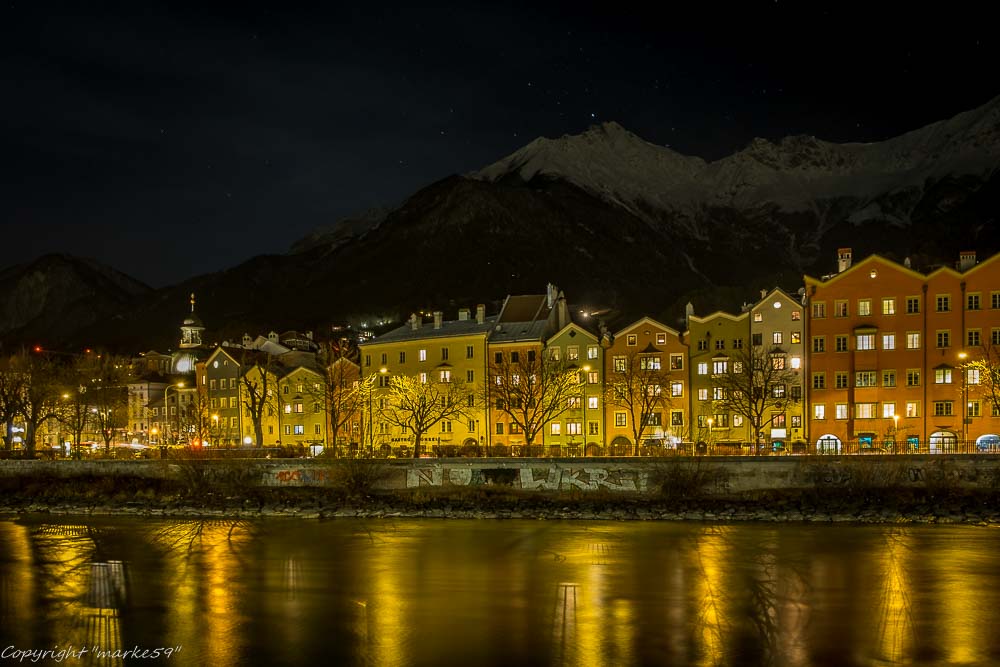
711,624
590,594
206,563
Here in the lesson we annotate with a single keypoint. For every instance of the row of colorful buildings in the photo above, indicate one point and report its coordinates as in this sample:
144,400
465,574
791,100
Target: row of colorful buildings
875,355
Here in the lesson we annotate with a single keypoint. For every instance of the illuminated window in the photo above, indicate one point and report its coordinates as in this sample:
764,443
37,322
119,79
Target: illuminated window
676,389
592,351
913,408
720,366
865,342
841,411
796,337
422,355
661,339
889,341
300,429
592,402
888,410
972,375
703,394
676,418
572,353
796,315
676,362
423,378
796,363
574,428
776,338
888,306
631,340
864,307
702,368
621,364
840,308
942,376
864,379
445,376
621,419
555,428
912,340
649,363
758,317
865,410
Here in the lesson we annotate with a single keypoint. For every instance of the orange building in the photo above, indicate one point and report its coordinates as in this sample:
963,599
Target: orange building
646,357
887,345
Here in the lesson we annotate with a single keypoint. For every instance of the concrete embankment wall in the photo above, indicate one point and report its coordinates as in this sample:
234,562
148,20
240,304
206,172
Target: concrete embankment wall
627,476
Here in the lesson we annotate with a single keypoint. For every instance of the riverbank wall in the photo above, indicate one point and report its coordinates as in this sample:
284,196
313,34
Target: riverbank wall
714,476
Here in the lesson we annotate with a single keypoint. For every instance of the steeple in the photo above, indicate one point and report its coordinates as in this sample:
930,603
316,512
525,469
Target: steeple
191,329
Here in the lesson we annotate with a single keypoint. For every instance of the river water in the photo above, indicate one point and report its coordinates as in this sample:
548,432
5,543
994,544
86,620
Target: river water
449,592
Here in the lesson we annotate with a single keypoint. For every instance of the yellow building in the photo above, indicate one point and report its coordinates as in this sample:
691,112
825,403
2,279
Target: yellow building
439,351
302,417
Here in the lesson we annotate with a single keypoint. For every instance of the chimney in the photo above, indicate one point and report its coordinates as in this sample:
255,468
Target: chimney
688,312
273,337
415,321
551,291
966,260
247,340
562,311
438,316
480,313
843,259
763,294
463,314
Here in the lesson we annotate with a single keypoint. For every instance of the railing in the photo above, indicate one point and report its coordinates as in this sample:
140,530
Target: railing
848,448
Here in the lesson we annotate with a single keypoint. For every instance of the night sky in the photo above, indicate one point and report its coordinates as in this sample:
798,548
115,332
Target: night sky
169,141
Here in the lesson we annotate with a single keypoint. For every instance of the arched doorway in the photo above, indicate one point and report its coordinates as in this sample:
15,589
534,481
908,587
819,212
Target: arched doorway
470,447
828,444
988,443
621,446
942,442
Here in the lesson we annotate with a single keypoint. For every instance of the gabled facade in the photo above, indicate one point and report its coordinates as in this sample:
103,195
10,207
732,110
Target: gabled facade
581,427
711,340
777,322
303,412
222,376
657,356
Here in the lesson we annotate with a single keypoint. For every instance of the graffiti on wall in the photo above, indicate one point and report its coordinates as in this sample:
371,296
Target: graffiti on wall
297,477
533,479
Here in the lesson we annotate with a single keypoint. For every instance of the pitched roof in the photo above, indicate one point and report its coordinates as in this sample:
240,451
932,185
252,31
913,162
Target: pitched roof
448,328
522,318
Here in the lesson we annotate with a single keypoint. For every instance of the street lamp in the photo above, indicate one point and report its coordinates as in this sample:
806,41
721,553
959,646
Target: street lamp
583,389
215,428
965,401
895,432
166,404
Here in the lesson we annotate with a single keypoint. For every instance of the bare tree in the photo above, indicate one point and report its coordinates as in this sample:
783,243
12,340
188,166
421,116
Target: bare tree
12,387
531,388
640,384
43,388
983,377
259,390
417,406
108,395
755,381
343,392
73,411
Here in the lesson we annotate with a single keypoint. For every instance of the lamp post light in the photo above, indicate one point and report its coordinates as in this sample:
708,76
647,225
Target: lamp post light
965,401
895,432
583,390
215,428
166,404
